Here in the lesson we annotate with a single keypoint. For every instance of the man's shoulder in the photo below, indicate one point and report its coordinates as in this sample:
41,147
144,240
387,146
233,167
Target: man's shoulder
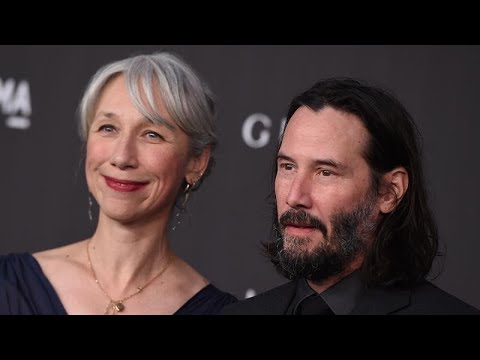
424,298
271,302
428,298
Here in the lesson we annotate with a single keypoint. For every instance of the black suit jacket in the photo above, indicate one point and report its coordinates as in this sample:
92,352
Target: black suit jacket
423,299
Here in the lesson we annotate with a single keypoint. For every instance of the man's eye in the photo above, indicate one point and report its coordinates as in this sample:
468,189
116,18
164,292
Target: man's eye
287,167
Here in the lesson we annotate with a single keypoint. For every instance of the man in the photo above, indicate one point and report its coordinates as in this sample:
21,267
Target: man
353,230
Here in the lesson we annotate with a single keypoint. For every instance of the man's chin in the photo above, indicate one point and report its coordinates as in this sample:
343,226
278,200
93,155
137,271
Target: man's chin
297,245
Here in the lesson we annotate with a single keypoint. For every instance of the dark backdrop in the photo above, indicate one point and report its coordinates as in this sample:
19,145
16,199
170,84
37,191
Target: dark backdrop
42,186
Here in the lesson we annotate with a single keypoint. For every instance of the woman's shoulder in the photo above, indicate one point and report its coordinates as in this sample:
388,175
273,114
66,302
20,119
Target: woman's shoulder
200,297
58,261
13,265
68,253
208,301
24,289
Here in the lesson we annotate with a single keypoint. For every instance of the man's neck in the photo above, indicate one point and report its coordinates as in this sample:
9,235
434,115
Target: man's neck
321,286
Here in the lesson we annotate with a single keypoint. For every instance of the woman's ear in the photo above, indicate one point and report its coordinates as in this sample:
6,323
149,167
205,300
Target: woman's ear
394,186
197,166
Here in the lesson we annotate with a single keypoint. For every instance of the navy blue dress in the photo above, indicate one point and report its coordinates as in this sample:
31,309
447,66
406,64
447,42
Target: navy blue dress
25,290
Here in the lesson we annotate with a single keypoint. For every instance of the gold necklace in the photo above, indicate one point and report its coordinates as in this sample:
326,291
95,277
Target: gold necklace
115,306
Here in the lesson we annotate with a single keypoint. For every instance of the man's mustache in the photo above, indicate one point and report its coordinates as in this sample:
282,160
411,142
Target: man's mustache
302,219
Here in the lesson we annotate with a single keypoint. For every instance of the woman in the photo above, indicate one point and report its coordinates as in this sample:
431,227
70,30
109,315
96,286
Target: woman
148,123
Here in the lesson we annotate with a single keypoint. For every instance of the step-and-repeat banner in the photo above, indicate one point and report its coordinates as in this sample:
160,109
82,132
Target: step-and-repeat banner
44,199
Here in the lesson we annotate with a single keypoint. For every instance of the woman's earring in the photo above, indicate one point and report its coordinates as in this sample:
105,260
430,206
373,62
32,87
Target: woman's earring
186,195
90,204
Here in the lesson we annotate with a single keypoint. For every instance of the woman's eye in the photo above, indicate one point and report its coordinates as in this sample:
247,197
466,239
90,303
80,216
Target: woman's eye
152,135
106,128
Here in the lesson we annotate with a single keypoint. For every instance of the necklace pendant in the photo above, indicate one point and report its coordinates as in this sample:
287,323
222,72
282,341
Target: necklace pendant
118,306
114,307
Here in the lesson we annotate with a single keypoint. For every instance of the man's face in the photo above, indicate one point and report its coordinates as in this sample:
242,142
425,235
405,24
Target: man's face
327,209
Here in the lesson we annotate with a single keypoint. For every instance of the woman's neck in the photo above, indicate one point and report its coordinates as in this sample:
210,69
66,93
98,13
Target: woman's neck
125,256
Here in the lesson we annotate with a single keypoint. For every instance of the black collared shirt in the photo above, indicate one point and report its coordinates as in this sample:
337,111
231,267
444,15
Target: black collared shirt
341,298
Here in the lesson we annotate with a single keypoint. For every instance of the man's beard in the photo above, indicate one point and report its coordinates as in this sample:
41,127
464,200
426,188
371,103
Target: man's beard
351,233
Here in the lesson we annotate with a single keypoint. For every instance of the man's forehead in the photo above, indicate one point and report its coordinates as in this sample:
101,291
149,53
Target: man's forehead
327,131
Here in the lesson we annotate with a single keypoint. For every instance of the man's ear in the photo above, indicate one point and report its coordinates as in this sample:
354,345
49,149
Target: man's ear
394,186
197,166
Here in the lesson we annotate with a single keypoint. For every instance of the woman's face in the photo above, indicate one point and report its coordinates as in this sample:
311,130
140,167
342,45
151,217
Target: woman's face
134,168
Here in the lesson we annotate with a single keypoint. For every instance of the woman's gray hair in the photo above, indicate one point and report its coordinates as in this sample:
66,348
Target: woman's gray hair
187,99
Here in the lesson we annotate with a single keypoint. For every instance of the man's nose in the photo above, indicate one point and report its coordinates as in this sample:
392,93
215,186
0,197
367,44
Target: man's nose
299,195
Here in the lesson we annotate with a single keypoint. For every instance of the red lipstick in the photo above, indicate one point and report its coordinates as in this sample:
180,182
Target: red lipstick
123,185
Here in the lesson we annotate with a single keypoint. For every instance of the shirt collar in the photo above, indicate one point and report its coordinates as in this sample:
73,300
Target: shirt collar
342,297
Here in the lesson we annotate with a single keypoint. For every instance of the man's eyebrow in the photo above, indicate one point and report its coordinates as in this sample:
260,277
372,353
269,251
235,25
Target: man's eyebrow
327,162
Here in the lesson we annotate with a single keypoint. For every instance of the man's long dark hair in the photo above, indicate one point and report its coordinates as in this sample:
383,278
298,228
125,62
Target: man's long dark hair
406,240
